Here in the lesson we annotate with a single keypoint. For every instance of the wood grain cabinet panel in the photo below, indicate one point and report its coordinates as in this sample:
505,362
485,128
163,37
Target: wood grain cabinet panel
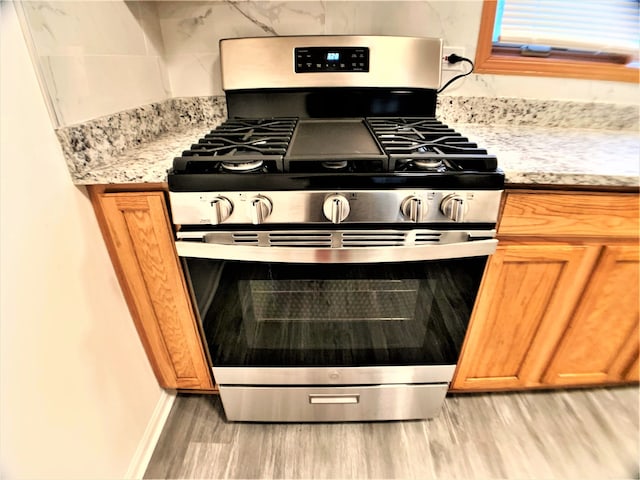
633,372
574,214
527,296
137,230
626,362
601,341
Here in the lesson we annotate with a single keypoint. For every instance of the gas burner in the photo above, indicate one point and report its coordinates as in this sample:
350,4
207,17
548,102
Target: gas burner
339,165
416,165
428,163
242,167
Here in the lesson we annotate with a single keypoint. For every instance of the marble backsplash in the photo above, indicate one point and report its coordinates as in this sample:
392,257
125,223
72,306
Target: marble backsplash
191,31
100,57
96,143
96,57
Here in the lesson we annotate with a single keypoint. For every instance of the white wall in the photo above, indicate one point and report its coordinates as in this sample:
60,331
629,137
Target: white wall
97,57
191,30
77,391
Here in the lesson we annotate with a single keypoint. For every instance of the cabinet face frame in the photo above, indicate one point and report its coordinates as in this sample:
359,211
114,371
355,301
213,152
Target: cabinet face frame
633,371
569,216
138,234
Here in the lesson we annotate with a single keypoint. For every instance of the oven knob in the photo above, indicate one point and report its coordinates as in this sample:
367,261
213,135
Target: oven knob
336,208
222,209
454,207
414,208
259,209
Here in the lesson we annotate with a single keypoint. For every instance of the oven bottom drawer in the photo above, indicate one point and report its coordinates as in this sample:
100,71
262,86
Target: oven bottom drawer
332,404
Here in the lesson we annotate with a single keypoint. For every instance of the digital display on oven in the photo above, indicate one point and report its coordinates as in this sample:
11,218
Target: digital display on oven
331,59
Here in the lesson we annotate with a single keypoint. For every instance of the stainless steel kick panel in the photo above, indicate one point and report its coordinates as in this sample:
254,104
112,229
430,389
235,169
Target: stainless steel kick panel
332,404
268,62
306,206
333,375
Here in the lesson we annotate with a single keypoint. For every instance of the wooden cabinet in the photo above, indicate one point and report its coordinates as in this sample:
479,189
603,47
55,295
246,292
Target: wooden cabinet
139,237
558,304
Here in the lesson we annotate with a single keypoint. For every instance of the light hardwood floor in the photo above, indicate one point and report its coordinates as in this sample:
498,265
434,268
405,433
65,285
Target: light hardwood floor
561,434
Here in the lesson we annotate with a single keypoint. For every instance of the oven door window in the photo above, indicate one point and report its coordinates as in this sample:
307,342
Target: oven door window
278,315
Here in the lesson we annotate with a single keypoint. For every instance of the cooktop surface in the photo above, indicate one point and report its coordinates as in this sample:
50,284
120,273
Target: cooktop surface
352,145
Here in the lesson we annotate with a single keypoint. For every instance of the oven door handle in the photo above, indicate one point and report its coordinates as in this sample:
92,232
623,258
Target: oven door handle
472,248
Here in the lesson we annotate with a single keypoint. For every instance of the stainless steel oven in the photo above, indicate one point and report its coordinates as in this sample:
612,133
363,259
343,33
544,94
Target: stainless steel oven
333,232
334,341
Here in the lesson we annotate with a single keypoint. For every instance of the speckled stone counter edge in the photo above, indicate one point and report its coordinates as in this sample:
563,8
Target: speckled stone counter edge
100,142
541,113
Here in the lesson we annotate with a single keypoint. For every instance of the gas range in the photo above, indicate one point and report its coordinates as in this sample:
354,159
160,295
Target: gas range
334,233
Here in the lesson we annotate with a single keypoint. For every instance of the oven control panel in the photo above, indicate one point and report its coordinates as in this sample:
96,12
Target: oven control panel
331,59
349,207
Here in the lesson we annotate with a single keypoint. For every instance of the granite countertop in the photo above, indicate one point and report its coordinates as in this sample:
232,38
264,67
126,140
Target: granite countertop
527,154
147,163
560,156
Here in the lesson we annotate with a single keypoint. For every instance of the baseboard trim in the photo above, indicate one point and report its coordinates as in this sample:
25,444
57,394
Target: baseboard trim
149,439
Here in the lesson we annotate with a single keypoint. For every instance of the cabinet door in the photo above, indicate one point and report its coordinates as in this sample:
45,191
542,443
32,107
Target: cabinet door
525,301
626,363
138,233
601,342
633,372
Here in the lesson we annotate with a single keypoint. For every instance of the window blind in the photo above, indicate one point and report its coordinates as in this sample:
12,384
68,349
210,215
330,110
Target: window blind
611,26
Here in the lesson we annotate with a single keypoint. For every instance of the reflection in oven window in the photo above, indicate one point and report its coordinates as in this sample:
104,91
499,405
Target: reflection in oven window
333,313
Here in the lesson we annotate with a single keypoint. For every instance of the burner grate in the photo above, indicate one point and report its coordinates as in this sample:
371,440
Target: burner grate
419,144
240,146
225,146
258,126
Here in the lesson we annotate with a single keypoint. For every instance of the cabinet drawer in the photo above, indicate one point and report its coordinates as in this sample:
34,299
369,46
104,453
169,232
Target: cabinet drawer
332,404
575,214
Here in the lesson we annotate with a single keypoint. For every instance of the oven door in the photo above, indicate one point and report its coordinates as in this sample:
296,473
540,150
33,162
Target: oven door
269,323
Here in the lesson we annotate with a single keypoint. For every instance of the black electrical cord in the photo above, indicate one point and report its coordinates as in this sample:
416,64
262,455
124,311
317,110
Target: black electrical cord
453,58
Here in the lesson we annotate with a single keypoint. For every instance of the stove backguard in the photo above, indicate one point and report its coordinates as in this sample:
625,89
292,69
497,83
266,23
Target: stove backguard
344,102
